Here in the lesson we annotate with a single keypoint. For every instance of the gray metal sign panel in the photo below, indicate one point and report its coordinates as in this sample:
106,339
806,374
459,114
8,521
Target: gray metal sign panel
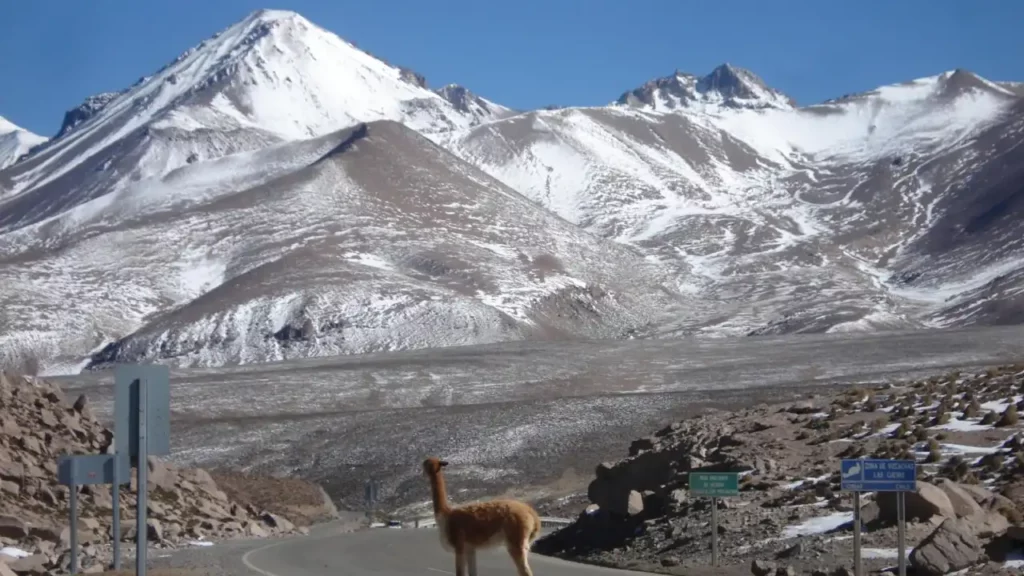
81,469
156,379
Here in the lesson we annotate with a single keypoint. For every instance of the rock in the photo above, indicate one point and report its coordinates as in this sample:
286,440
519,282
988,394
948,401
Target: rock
257,530
785,571
987,523
925,501
804,407
950,547
5,570
279,522
669,561
160,475
34,564
963,503
1015,533
154,529
762,568
794,550
14,528
634,503
80,403
985,497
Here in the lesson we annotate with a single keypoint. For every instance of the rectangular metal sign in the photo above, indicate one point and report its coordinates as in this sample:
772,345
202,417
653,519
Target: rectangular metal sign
156,379
863,475
91,469
714,484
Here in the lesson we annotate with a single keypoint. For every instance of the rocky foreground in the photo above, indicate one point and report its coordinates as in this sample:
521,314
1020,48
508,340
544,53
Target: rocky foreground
790,517
187,506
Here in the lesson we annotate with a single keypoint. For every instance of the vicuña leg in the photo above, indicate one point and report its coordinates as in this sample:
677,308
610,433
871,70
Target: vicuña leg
471,561
460,561
518,552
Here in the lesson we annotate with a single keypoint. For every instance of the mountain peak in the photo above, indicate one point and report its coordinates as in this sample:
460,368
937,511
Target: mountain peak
726,86
15,142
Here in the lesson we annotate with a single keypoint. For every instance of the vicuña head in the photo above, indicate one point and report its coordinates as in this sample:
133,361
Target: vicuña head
464,529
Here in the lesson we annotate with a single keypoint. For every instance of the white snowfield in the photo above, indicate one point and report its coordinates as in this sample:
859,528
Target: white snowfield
233,207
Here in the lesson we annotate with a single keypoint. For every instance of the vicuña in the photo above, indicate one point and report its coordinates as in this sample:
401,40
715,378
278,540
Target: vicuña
464,529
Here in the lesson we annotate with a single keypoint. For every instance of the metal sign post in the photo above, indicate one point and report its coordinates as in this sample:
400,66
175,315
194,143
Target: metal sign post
864,475
87,470
371,497
142,422
714,485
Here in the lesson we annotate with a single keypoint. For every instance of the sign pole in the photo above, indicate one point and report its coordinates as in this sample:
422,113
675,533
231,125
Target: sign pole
141,533
73,512
866,475
902,534
856,534
714,532
115,525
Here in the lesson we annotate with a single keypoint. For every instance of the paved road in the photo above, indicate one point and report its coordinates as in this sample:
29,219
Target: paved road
387,552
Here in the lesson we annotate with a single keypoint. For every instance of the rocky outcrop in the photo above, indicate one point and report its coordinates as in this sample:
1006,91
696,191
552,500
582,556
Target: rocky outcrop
791,511
37,425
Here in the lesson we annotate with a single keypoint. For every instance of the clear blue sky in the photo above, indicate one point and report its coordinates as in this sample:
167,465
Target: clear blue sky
524,53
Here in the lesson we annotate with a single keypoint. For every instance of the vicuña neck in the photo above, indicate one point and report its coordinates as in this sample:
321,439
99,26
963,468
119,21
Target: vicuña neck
439,494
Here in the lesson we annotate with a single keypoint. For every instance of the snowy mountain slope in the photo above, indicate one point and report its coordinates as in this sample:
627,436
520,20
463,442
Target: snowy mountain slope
317,247
235,206
14,143
789,215
272,77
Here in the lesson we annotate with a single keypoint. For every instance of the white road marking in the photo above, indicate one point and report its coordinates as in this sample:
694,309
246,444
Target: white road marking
441,571
253,567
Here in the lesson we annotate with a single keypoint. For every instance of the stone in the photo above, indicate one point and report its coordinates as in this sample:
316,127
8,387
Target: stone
669,561
950,547
34,564
785,571
5,570
925,501
256,530
963,503
14,528
634,503
762,568
279,522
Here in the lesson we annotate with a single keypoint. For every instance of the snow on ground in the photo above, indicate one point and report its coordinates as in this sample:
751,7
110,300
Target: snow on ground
818,525
14,552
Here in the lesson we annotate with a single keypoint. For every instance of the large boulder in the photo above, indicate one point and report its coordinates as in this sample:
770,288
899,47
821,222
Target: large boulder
925,501
963,503
950,547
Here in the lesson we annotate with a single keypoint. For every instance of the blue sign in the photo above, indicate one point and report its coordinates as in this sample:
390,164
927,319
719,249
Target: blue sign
863,475
88,469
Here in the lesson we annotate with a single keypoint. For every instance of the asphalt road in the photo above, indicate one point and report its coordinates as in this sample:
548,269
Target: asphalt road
388,552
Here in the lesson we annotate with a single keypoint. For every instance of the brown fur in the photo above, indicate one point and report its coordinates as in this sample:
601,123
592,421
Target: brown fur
465,529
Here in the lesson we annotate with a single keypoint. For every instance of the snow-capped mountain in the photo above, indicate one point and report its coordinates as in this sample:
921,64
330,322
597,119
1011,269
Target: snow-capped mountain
726,85
276,192
15,142
272,77
794,219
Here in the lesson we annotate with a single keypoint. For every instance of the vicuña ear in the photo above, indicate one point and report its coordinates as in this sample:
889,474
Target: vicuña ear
443,462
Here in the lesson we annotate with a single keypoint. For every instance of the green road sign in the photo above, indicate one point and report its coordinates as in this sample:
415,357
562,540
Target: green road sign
714,484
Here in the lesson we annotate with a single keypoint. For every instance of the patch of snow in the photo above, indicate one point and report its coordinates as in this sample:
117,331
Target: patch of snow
818,525
14,552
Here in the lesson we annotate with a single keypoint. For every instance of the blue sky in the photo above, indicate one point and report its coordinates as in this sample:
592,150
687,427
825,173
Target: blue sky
527,53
